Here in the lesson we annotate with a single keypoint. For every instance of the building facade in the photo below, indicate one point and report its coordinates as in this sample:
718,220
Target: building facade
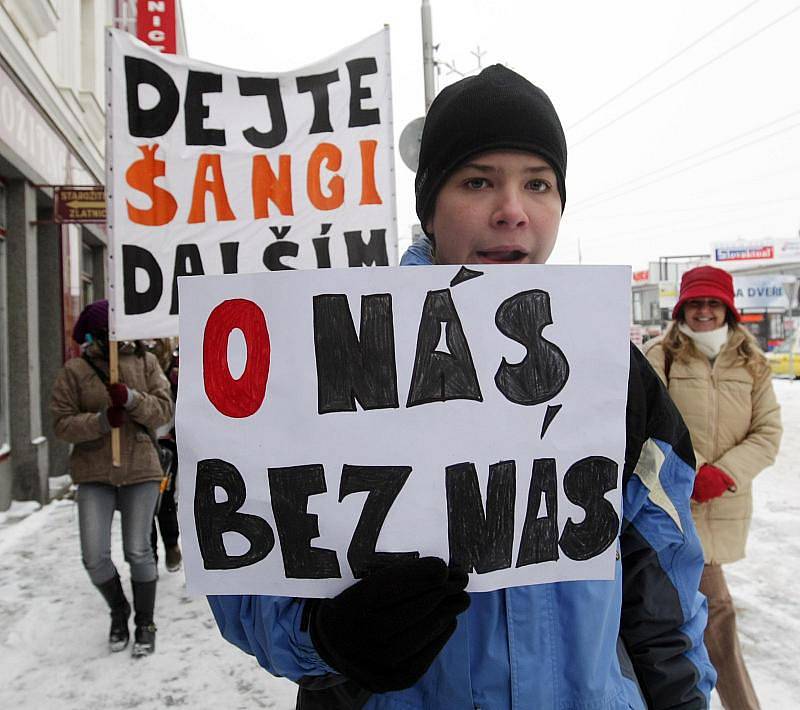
52,133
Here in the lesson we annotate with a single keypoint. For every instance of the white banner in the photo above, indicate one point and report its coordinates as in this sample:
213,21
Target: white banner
761,292
217,171
331,421
747,254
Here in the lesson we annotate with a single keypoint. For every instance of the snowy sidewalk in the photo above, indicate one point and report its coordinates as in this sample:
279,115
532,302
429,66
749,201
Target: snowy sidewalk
53,623
53,635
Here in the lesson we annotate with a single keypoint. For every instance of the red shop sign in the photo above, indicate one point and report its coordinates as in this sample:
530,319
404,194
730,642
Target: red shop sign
155,24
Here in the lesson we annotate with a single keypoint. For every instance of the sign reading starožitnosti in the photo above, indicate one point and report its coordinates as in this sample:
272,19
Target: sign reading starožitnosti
217,171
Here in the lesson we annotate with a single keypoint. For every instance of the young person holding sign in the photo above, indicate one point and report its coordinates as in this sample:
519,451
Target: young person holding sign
490,190
85,408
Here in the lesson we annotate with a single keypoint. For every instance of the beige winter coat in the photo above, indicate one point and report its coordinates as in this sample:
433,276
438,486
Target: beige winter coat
735,424
78,396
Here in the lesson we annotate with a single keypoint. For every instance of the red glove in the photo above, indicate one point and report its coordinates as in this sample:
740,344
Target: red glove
711,482
116,416
119,394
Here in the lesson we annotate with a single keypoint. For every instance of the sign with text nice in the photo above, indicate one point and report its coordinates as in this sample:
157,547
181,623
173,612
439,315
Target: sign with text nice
330,422
217,171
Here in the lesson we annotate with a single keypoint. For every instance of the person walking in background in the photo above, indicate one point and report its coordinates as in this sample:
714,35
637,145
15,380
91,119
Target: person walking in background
721,383
85,408
167,514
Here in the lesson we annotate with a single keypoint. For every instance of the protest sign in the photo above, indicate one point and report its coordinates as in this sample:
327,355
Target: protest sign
332,421
217,171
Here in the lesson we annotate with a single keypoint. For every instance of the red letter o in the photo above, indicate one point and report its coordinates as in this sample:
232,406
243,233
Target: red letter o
236,398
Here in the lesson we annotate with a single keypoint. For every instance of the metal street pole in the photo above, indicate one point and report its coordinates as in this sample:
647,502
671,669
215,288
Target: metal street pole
427,53
792,287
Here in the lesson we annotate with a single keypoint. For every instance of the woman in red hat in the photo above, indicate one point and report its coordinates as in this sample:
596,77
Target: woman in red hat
720,381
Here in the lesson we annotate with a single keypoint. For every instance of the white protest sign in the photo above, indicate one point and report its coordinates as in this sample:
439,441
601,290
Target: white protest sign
215,171
332,421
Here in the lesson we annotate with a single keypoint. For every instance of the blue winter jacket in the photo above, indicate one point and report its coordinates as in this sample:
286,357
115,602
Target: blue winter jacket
633,642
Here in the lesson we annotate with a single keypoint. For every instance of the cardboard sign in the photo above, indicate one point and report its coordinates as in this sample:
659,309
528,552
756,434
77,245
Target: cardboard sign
216,171
333,421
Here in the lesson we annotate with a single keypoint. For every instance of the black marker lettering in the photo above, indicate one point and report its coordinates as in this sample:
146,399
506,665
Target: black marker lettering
273,253
195,111
544,371
539,541
137,302
480,541
212,519
289,489
184,253
384,484
155,121
370,253
585,484
440,376
317,85
354,367
264,86
358,68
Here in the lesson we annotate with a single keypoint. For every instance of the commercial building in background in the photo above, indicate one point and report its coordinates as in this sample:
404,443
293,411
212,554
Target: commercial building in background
654,292
52,234
765,274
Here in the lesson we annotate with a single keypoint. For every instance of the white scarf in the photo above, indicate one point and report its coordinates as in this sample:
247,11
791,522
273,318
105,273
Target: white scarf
708,342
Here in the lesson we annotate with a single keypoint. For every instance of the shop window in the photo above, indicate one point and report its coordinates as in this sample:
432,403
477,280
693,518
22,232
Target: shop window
87,275
637,306
775,326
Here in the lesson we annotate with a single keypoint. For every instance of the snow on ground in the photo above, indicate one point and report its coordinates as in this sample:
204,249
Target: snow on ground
54,626
764,584
53,623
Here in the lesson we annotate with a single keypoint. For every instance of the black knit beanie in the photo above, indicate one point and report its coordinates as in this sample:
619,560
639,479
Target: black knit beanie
496,110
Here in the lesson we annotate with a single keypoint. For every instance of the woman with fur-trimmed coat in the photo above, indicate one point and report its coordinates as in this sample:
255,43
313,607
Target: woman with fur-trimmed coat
721,383
85,408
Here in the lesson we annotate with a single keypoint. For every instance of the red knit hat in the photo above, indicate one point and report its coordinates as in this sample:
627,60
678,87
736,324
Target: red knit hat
706,282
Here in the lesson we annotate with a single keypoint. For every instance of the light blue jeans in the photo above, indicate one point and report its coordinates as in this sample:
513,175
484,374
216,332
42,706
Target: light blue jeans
137,505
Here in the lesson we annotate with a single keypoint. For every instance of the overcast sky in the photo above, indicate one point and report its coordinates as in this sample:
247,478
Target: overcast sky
704,147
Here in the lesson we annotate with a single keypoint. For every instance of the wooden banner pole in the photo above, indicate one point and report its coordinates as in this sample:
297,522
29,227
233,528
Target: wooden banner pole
113,377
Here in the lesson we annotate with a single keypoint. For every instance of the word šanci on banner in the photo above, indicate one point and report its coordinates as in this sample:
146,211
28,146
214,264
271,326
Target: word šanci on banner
361,368
267,184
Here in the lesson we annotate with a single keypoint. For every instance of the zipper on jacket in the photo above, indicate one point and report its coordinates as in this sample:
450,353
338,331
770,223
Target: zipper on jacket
713,394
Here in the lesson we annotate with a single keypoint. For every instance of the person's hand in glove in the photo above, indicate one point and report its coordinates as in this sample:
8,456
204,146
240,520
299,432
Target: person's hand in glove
115,416
121,395
385,630
711,482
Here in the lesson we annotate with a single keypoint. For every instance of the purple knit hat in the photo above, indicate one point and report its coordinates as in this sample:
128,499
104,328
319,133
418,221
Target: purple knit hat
93,318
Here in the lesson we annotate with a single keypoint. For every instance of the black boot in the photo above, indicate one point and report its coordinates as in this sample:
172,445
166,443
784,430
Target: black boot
112,592
173,557
144,600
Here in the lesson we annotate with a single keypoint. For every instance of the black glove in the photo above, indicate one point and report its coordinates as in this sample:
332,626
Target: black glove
384,631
